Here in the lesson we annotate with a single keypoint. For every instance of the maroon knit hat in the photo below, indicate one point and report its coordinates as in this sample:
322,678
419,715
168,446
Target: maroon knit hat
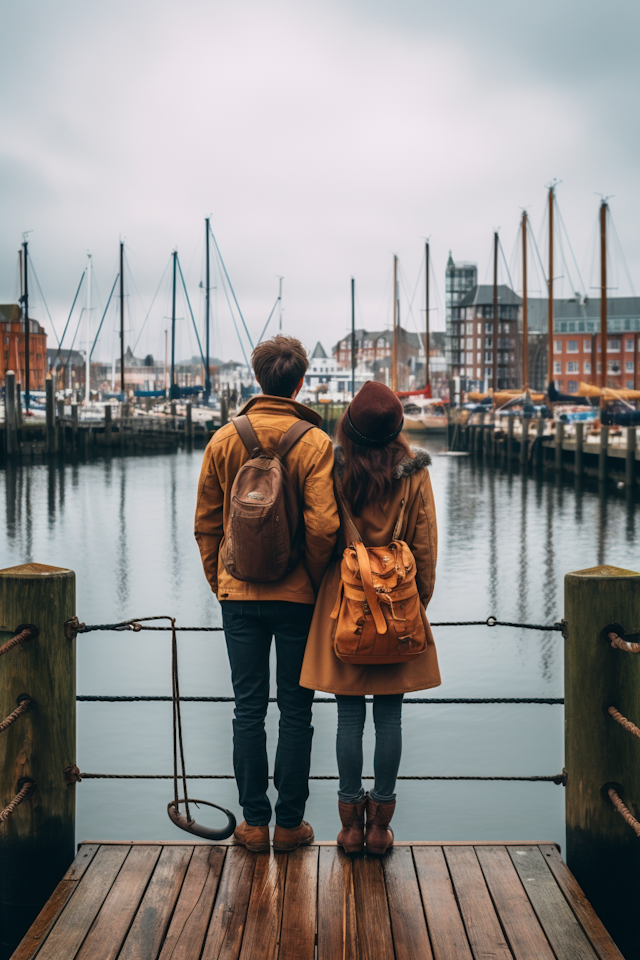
375,416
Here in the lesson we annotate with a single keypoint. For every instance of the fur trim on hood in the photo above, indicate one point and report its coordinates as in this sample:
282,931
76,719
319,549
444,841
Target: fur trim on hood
410,465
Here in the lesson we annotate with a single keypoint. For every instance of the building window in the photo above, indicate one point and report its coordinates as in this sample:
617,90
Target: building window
587,367
557,346
488,357
613,346
488,342
488,328
630,385
586,345
572,346
613,366
479,373
573,367
469,343
629,366
480,332
599,347
599,367
488,373
572,386
469,327
628,345
557,366
479,359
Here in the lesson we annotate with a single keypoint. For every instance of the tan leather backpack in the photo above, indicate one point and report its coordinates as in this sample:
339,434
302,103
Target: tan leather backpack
264,535
378,613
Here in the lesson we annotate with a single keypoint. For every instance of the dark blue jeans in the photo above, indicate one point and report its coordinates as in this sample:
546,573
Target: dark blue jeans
249,627
387,718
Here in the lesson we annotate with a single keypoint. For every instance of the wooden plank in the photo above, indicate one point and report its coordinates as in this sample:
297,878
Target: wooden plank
54,906
332,843
226,929
193,910
149,927
372,910
337,929
474,901
524,934
587,917
298,935
110,927
448,937
408,925
75,921
562,930
264,917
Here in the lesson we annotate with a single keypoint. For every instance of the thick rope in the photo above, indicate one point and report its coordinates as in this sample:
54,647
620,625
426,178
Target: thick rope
559,778
552,701
24,794
625,645
627,724
136,625
624,811
22,707
15,641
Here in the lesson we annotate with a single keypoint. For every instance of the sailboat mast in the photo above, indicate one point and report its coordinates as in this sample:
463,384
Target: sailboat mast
172,390
525,304
207,371
494,380
87,361
25,305
353,338
394,351
122,319
426,313
603,293
550,323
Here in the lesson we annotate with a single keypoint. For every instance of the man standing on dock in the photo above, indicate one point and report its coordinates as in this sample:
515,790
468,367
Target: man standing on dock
272,456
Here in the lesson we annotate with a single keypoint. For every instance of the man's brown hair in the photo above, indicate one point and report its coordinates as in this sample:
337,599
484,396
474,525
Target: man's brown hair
279,365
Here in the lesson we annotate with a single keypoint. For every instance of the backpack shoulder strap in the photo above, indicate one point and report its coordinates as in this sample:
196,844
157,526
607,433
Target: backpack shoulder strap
246,433
345,509
403,504
291,437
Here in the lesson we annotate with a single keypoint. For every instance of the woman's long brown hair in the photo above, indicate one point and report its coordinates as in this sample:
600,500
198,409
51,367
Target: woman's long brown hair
367,472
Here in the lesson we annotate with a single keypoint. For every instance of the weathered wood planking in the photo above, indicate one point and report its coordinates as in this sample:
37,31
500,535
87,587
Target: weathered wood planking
154,901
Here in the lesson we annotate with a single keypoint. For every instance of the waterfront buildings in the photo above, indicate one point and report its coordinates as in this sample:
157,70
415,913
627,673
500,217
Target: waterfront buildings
471,333
460,279
374,351
12,350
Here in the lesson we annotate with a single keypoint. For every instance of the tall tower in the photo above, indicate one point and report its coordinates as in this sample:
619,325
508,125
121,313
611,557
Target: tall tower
460,278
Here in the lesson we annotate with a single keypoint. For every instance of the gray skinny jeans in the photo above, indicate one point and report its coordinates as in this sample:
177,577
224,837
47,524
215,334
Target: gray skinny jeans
387,717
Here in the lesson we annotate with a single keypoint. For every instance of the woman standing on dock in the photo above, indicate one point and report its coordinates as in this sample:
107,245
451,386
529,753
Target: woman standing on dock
385,498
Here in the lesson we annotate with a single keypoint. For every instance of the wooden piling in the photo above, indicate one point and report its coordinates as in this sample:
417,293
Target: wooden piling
602,851
524,442
224,411
107,426
540,443
559,440
509,437
630,458
51,440
604,450
578,457
188,425
10,422
18,405
37,840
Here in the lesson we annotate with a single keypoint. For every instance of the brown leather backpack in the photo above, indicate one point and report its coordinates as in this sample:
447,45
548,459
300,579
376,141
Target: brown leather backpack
378,612
264,537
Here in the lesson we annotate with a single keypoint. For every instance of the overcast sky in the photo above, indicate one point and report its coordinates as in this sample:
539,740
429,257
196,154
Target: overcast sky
322,136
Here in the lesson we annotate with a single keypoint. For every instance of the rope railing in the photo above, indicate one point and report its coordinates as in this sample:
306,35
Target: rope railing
627,724
623,810
25,792
559,778
551,701
23,705
136,624
20,637
627,646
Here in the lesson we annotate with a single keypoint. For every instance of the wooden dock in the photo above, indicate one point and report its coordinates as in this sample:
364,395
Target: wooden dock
446,901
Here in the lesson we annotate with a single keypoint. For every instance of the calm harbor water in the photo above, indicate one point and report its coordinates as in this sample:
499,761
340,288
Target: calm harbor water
505,543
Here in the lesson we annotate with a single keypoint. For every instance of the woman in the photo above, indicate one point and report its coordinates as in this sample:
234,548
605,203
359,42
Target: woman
375,470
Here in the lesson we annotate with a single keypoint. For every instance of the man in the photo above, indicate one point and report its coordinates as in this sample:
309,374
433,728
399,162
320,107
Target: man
254,612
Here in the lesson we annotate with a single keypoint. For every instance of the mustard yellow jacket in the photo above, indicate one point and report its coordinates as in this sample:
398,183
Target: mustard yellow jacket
310,465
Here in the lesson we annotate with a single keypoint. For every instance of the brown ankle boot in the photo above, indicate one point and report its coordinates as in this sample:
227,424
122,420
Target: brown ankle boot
351,837
378,833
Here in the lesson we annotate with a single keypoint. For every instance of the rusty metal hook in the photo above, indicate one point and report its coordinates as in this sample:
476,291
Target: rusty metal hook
207,833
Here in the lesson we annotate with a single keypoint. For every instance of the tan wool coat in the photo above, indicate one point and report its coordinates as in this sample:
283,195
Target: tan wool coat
310,465
322,670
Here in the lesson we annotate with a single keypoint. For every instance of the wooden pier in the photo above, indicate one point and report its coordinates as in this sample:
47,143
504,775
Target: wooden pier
450,901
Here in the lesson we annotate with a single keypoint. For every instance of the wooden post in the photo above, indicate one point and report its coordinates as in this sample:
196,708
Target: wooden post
630,459
509,437
52,444
524,441
10,422
18,405
604,450
224,411
559,439
540,445
74,425
37,841
602,851
578,457
188,425
107,426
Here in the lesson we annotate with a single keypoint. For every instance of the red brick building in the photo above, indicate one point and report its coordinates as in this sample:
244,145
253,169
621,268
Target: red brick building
12,347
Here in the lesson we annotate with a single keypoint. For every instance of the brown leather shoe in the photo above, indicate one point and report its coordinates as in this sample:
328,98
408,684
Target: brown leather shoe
351,837
290,839
378,835
255,839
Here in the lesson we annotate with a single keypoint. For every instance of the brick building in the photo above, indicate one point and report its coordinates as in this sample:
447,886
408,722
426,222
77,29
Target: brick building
12,349
374,351
471,332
